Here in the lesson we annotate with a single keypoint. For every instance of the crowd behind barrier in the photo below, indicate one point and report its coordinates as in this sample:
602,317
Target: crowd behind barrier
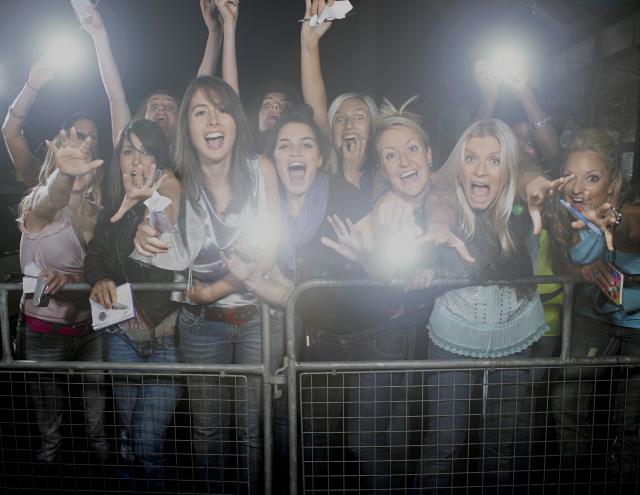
324,423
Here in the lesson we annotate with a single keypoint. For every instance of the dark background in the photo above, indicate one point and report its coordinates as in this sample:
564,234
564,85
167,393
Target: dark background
392,48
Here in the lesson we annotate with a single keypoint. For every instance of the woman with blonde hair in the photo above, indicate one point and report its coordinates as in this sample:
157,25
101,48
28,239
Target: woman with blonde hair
602,326
479,182
57,219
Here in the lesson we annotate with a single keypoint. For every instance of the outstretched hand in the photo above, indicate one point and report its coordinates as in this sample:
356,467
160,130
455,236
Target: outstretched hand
138,186
349,239
537,191
441,235
72,155
209,10
605,217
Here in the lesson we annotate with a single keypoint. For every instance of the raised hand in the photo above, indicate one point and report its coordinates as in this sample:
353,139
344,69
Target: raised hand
212,21
228,11
41,73
92,23
312,34
139,186
72,155
537,191
349,239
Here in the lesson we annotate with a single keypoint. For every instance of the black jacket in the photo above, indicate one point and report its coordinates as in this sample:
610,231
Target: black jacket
108,257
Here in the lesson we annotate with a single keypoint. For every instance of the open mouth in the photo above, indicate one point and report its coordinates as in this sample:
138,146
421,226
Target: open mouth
409,176
297,171
161,121
214,140
577,202
480,191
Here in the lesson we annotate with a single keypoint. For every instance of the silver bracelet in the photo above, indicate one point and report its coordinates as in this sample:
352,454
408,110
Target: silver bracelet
541,124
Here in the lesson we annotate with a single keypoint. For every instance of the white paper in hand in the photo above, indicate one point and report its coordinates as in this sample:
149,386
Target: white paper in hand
158,219
123,310
31,273
338,10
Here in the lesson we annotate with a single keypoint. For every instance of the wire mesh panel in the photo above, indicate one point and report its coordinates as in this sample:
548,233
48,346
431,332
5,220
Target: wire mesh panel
112,432
556,431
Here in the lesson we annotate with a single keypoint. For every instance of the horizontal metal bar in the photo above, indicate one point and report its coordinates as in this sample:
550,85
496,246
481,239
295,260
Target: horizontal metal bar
494,363
147,286
254,369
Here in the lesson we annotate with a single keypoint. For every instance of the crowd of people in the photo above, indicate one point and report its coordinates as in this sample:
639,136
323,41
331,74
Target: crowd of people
312,190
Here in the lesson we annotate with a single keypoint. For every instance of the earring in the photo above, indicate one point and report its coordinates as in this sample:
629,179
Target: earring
430,165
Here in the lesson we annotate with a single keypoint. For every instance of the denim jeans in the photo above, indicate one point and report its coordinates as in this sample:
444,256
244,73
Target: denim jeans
49,395
356,419
575,403
145,404
212,404
505,426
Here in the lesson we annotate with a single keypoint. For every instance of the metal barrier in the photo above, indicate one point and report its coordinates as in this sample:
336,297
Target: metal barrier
335,463
406,386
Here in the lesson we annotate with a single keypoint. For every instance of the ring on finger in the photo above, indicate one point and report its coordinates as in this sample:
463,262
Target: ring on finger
615,213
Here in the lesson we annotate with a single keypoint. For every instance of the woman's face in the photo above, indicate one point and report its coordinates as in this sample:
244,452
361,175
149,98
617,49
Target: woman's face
212,130
404,160
163,110
592,184
87,128
482,171
297,157
351,122
134,157
270,109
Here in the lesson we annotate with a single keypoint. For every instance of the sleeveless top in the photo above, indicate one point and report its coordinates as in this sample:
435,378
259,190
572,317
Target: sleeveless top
487,321
58,248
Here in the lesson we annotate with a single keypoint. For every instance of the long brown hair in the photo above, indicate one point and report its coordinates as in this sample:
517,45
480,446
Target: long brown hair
187,165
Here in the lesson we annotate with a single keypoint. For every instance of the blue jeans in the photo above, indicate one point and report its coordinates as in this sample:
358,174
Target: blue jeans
145,404
505,426
212,405
49,395
357,417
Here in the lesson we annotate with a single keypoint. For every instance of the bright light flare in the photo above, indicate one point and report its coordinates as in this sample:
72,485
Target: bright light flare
64,51
258,238
401,250
508,62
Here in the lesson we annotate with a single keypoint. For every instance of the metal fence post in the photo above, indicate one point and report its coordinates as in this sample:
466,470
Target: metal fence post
292,393
567,318
4,326
267,400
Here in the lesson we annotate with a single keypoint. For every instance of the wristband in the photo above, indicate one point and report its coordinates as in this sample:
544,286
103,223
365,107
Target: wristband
541,124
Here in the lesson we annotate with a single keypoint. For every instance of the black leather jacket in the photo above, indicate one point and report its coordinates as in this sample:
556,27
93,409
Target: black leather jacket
108,257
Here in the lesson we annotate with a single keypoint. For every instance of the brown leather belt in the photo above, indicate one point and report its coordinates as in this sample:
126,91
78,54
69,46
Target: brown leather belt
233,315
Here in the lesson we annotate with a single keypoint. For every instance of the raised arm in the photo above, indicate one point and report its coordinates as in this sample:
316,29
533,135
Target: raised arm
120,113
211,56
27,165
72,161
314,92
229,13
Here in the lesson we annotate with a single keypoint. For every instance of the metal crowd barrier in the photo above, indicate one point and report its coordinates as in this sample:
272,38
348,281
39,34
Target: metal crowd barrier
299,377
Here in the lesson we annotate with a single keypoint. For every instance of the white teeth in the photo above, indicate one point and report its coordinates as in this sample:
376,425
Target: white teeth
214,135
408,174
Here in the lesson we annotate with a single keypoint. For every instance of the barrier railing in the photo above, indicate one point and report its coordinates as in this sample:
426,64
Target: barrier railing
292,367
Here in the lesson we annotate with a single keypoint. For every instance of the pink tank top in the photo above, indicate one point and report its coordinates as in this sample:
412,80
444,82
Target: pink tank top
58,248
